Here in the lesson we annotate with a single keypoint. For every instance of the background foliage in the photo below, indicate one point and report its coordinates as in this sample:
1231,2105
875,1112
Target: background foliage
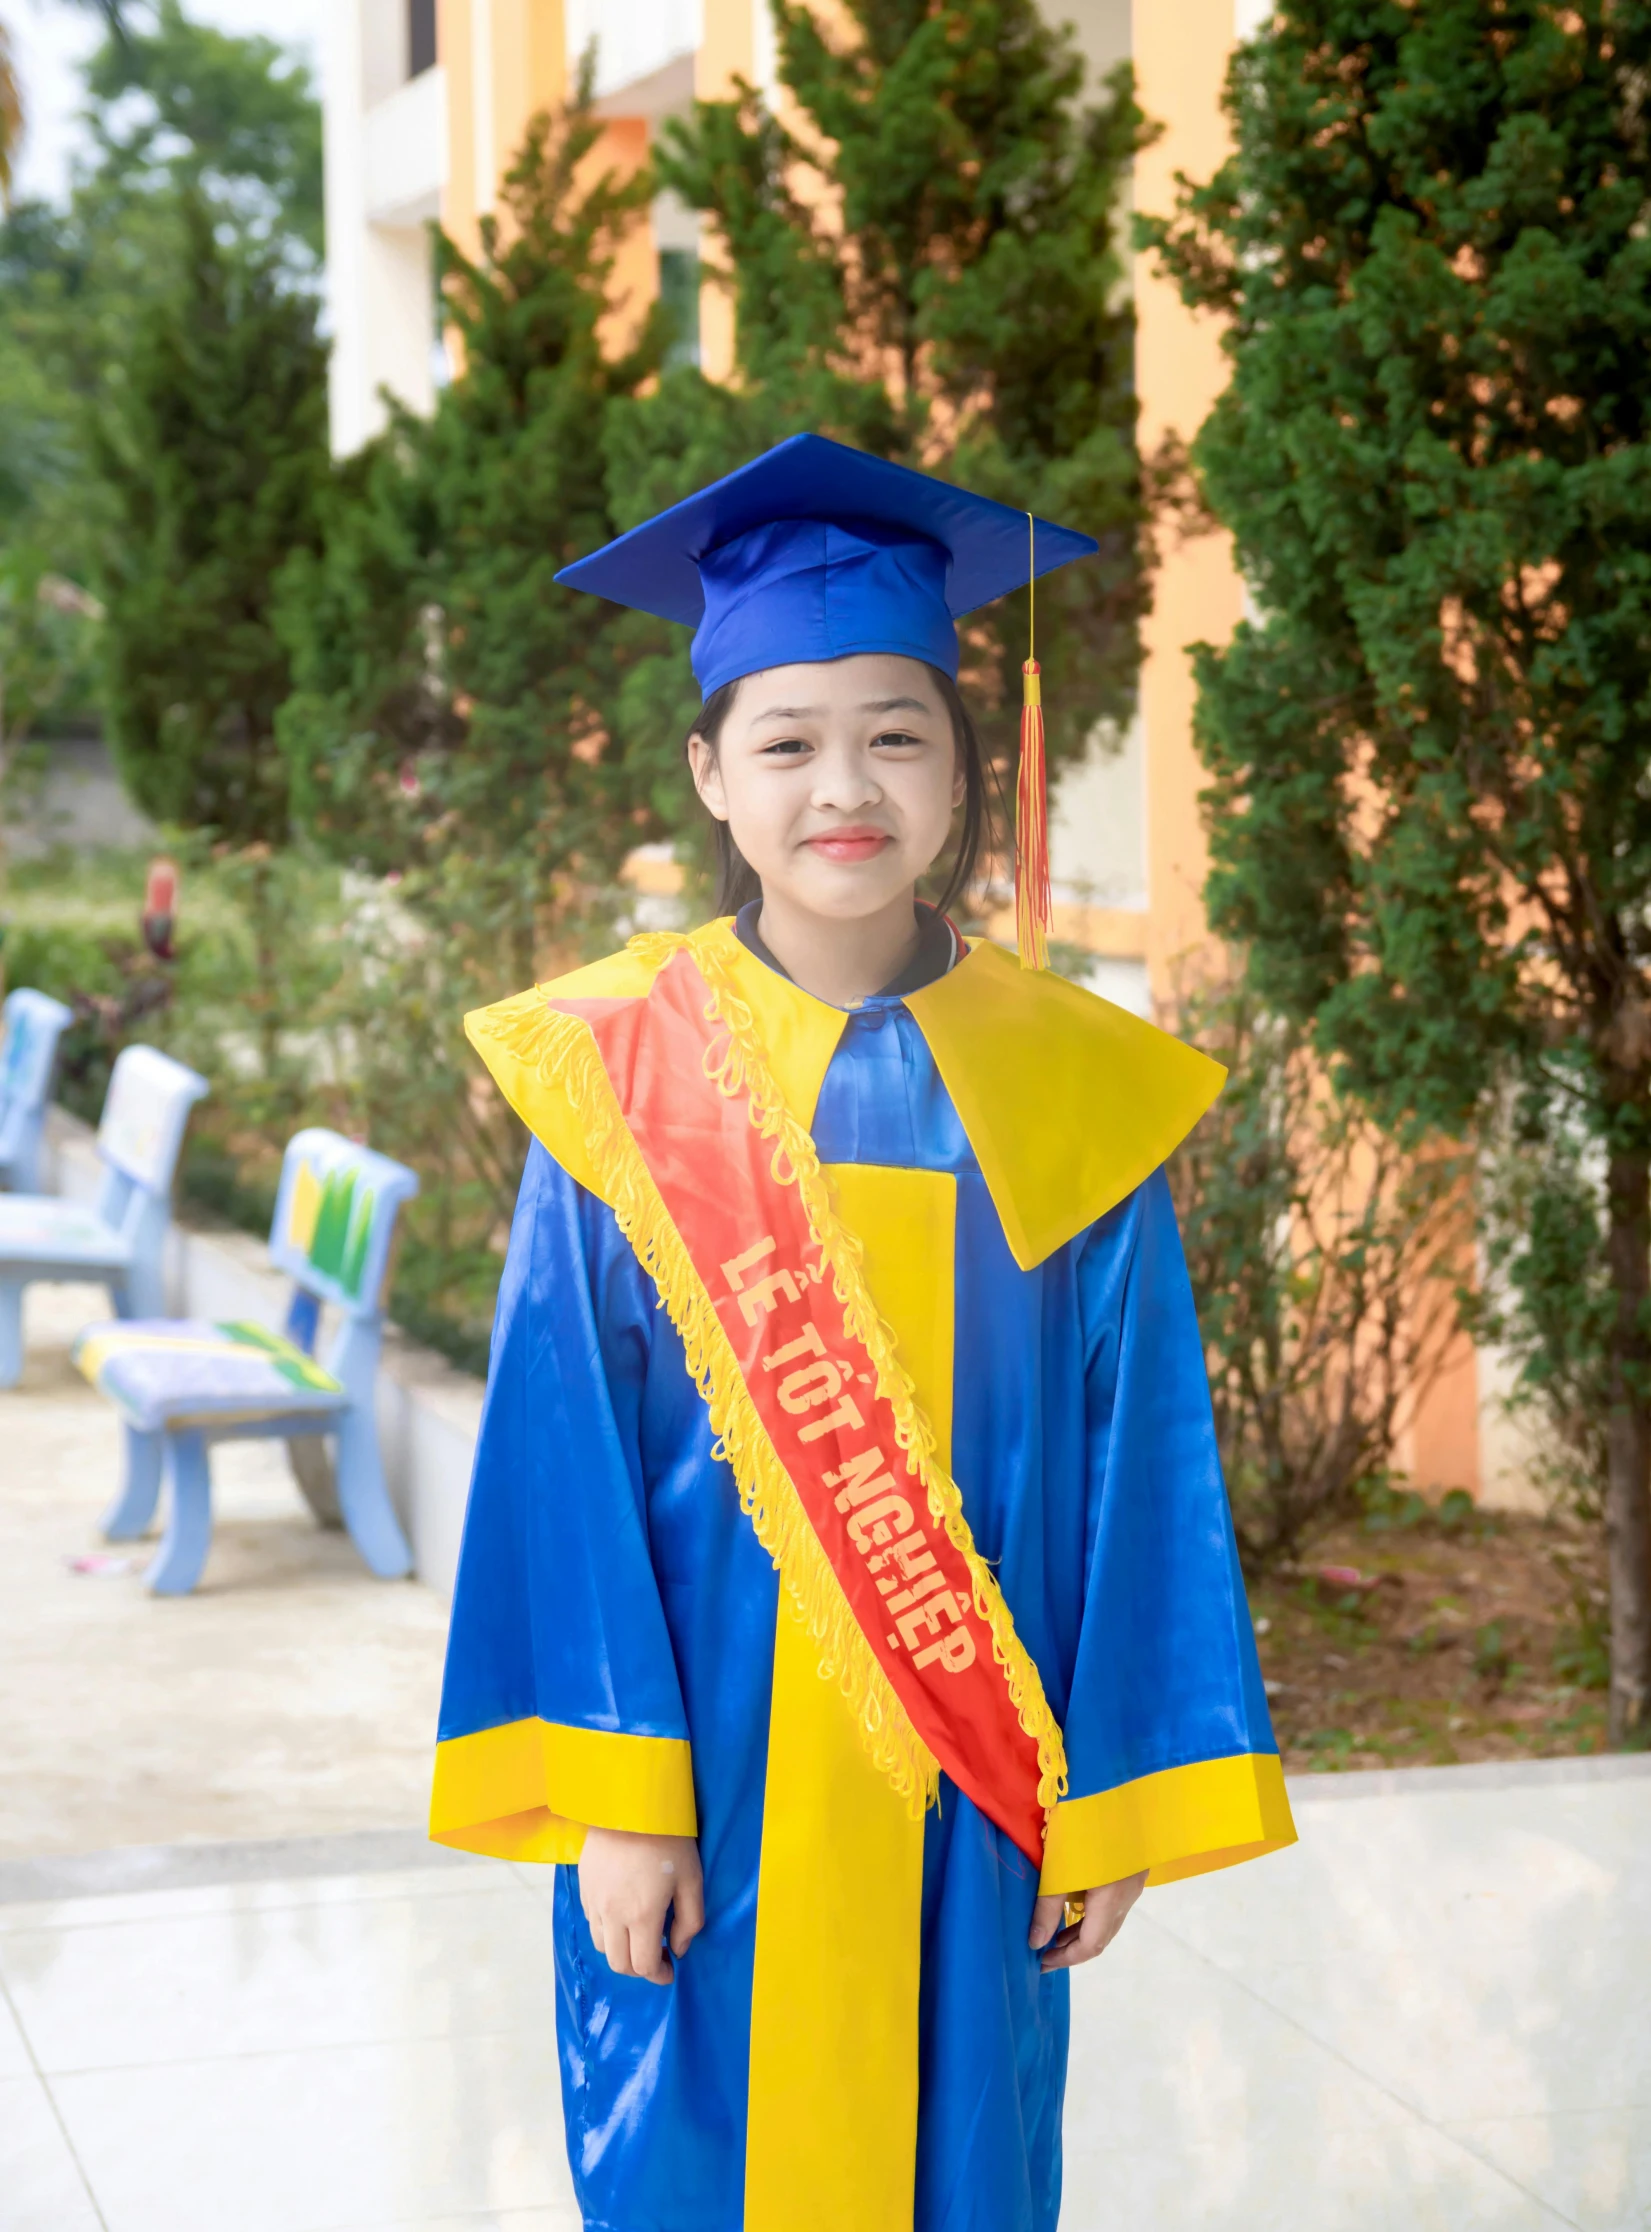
212,451
1325,1260
450,715
184,120
449,728
926,265
926,262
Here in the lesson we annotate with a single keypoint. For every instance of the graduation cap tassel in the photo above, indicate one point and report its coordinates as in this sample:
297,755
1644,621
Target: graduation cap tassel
1032,899
1032,894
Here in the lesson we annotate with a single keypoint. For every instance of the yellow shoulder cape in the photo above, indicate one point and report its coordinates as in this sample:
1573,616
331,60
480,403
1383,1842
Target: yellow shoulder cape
1068,1101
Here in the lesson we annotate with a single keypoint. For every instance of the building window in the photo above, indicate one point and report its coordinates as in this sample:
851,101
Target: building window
421,36
679,292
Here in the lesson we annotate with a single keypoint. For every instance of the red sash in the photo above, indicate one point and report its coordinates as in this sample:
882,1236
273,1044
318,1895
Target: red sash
906,1578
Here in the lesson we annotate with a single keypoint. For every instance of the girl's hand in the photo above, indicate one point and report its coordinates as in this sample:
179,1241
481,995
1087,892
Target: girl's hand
1103,1917
627,1885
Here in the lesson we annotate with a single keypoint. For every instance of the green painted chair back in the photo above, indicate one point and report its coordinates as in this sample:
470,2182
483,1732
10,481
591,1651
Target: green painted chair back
335,1214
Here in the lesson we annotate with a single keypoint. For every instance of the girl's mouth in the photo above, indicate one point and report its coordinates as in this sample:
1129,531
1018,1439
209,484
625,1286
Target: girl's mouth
850,844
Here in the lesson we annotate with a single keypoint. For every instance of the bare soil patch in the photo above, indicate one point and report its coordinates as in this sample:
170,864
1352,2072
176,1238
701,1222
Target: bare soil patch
1421,1637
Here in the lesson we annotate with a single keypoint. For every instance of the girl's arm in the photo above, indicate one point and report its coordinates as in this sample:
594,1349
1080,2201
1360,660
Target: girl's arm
561,1708
1170,1754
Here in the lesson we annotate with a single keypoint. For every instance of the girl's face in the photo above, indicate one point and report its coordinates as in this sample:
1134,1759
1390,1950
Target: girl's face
837,780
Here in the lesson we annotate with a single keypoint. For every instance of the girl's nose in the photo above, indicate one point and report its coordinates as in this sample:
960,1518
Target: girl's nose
846,780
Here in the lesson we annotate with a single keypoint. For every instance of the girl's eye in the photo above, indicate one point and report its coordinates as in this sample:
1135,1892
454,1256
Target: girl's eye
895,738
789,746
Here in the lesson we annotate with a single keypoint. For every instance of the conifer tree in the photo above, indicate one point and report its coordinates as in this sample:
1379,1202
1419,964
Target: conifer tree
175,109
186,103
924,262
451,723
212,450
1430,752
450,719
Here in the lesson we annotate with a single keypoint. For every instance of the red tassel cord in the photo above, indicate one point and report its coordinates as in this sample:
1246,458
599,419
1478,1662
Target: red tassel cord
1032,896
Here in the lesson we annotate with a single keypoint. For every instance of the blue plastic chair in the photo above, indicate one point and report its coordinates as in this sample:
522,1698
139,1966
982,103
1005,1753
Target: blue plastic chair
117,1240
182,1383
30,1027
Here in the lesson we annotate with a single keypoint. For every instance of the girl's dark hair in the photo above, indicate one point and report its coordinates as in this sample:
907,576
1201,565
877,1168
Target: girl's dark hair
737,880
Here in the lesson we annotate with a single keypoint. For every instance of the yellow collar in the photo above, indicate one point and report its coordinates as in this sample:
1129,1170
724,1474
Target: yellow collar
1068,1102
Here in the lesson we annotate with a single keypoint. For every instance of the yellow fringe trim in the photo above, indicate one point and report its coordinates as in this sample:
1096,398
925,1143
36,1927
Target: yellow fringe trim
562,1052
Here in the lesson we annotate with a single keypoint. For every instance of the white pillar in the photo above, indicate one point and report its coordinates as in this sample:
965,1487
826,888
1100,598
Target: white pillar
349,385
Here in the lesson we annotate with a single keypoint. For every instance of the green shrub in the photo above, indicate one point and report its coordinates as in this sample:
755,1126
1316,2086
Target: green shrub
1322,1259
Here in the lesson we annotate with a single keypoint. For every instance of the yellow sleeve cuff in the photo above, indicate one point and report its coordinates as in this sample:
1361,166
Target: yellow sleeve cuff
530,1789
1183,1821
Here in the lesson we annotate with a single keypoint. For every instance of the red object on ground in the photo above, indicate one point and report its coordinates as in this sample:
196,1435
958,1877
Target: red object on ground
160,908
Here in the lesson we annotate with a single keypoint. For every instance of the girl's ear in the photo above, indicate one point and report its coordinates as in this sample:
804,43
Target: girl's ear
707,773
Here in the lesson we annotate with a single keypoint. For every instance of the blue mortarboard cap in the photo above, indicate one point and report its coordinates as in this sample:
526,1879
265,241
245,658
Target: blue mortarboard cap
815,551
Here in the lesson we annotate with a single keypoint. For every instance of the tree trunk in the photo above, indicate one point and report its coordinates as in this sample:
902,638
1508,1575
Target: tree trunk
266,962
1628,1494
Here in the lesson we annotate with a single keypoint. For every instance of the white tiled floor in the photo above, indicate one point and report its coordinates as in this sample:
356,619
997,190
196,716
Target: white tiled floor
290,1694
1434,2013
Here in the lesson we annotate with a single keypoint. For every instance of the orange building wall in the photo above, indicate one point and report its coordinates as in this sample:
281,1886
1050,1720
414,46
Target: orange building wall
1180,60
527,71
1442,1449
727,48
727,51
529,67
623,148
453,45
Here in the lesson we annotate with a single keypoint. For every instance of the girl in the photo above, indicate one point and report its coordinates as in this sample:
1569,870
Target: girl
848,1596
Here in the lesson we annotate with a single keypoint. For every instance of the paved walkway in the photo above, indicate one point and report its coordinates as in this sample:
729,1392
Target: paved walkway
291,1694
1429,2017
259,2002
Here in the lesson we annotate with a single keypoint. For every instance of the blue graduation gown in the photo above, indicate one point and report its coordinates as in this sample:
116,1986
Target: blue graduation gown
612,1593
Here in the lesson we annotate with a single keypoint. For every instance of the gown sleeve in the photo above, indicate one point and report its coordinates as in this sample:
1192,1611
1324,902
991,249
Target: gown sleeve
561,1709
1170,1752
